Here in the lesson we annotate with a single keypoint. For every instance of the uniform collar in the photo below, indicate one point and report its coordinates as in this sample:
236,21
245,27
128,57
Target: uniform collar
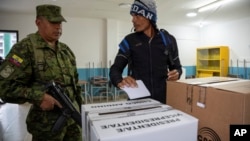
41,43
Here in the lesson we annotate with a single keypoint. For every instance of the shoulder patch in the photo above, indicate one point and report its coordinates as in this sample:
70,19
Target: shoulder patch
16,60
7,71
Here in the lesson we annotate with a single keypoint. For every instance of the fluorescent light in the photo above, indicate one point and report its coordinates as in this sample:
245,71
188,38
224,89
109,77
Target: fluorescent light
213,5
124,5
191,14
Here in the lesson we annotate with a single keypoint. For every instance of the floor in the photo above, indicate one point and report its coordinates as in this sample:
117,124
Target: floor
12,119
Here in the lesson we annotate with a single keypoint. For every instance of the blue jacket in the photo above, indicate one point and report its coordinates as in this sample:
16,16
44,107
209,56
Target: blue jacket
148,60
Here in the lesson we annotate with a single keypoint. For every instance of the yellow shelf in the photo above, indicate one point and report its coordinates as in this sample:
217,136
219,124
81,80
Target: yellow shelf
208,70
212,61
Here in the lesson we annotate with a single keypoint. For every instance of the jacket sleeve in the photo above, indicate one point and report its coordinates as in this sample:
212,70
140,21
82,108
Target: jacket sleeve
16,77
121,61
175,56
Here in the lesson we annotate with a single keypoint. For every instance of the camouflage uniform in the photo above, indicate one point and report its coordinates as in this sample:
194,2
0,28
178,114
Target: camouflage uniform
22,75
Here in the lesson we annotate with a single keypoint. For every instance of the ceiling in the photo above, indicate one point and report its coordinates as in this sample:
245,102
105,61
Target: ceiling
171,12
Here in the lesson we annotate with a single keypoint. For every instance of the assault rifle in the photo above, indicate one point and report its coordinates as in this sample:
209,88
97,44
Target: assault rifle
68,110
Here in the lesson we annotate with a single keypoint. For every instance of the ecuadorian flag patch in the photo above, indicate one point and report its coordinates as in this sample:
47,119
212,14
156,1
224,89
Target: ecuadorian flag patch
16,60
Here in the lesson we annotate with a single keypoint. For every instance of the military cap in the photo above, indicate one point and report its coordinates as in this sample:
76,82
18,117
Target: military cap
51,12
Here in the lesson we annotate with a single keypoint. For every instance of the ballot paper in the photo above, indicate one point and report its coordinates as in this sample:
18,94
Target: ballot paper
137,92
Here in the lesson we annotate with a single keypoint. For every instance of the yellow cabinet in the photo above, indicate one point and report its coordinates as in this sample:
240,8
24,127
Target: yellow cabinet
212,61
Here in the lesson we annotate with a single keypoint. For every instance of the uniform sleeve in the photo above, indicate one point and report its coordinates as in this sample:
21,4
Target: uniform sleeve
175,56
16,81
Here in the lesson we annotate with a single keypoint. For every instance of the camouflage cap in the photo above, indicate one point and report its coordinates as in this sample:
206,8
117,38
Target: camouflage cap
51,12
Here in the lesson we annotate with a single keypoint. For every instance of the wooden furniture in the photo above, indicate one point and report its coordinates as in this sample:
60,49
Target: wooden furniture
212,61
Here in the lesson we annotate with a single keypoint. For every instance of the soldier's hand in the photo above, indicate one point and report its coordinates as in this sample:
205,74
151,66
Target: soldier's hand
127,82
48,103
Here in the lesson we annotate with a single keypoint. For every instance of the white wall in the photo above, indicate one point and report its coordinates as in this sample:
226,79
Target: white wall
235,34
96,40
86,37
25,24
188,39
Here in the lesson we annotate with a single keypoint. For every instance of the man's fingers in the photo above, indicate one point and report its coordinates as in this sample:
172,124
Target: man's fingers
130,82
58,104
127,82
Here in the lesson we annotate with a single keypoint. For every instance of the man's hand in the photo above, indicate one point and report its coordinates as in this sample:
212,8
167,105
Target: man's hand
173,75
48,103
127,82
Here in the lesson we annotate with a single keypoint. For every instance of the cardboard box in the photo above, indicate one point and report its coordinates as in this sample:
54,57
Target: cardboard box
112,107
170,125
217,105
180,93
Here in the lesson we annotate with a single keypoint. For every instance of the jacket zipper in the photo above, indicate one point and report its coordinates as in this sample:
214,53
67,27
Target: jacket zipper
151,69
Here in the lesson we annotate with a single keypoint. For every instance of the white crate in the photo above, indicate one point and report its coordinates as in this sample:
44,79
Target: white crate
113,107
142,110
170,125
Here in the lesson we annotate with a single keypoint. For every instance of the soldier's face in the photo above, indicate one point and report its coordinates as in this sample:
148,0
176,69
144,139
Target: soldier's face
50,31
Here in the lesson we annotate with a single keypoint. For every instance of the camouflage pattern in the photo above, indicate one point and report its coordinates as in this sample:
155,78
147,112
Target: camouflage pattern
51,12
21,77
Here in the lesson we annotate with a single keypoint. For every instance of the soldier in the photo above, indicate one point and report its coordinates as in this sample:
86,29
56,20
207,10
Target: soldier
34,61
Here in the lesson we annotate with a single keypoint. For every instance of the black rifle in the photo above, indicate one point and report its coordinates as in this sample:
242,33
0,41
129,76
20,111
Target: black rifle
68,110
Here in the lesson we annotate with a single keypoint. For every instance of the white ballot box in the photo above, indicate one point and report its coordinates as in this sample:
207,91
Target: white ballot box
130,112
113,107
166,125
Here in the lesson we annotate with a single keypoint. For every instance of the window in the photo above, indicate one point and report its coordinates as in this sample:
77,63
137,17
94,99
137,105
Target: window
7,39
